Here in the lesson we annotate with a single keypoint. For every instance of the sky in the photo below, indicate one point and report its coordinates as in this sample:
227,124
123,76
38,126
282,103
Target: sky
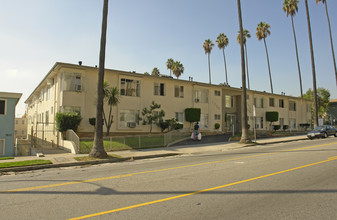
143,34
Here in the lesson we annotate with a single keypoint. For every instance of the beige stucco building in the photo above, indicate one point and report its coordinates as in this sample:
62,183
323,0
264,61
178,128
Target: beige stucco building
21,127
69,87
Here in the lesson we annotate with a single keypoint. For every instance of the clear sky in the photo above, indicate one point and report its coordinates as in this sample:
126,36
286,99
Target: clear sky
143,34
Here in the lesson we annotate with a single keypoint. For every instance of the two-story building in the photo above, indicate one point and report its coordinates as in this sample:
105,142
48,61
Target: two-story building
69,87
21,127
8,102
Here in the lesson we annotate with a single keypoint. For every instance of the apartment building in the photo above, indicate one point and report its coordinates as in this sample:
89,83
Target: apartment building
8,103
69,87
21,127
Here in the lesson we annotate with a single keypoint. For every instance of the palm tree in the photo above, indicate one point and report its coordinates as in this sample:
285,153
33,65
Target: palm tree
290,7
246,35
245,136
112,97
155,72
262,32
169,65
222,41
208,44
312,66
332,50
98,147
177,69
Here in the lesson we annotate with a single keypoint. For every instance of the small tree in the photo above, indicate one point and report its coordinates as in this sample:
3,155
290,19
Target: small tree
271,117
152,115
192,115
112,98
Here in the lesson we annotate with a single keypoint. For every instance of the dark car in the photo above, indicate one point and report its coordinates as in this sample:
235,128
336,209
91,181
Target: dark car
322,132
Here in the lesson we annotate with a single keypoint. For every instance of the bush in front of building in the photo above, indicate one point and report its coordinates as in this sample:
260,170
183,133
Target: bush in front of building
68,120
217,126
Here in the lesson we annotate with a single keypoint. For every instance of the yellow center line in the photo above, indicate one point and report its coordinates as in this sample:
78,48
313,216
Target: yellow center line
151,171
201,191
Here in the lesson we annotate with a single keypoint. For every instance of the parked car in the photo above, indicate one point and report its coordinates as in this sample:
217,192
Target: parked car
322,132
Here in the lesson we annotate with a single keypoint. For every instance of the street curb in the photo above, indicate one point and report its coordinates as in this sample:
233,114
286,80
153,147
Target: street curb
82,163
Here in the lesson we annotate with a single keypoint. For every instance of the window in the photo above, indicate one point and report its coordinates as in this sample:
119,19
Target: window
2,147
201,95
180,117
23,122
258,102
204,121
159,89
179,91
16,122
271,102
47,117
217,93
48,94
65,109
128,118
229,101
217,117
2,107
281,103
130,87
72,82
292,106
308,107
259,122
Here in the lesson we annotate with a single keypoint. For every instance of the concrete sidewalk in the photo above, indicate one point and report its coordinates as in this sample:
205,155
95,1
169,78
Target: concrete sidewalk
67,159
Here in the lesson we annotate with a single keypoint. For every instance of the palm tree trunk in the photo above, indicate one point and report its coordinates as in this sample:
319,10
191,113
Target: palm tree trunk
332,50
244,126
313,66
245,49
271,82
209,68
298,61
224,59
98,147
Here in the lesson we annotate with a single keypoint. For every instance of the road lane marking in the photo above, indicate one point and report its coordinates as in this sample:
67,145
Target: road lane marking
200,191
152,171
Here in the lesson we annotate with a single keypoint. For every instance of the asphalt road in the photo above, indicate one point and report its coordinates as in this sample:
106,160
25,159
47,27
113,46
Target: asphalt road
294,180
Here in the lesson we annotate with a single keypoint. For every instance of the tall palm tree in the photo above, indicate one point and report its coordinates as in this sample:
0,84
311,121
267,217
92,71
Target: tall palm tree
332,50
244,126
169,65
177,68
312,66
222,41
262,32
245,35
290,7
208,45
98,147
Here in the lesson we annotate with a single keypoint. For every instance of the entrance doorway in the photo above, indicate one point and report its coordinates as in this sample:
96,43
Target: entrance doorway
231,123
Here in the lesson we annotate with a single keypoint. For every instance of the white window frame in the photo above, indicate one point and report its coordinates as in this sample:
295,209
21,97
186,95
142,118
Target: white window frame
159,89
281,103
217,93
229,101
129,87
201,95
258,102
271,102
180,117
130,116
179,91
292,106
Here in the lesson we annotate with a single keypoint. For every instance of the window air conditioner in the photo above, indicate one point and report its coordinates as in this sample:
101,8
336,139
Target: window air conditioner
131,124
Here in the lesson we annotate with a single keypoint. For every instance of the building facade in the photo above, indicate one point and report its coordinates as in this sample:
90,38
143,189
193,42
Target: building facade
8,102
69,87
21,127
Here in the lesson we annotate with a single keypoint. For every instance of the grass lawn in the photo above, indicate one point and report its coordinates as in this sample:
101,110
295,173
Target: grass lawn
118,144
24,163
6,158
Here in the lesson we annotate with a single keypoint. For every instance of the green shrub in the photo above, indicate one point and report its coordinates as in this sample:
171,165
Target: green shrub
178,126
192,114
285,127
276,127
69,120
216,126
92,121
